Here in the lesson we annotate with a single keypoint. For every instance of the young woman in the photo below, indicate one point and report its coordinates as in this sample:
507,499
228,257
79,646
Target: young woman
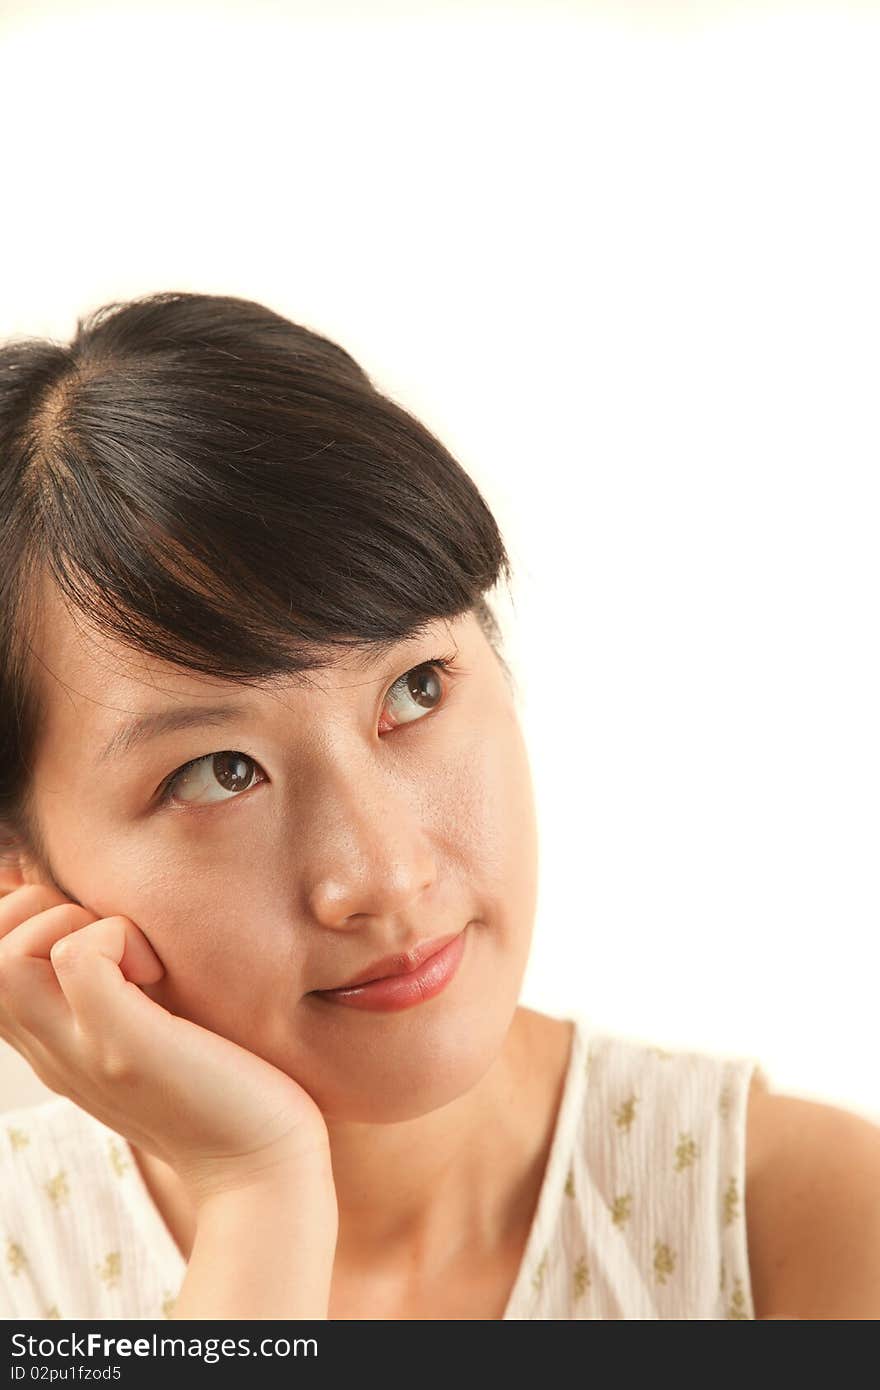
260,745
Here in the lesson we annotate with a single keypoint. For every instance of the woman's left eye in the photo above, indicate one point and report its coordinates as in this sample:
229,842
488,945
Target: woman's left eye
419,687
422,686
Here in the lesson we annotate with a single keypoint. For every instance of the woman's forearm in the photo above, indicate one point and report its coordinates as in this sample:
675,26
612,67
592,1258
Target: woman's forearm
263,1252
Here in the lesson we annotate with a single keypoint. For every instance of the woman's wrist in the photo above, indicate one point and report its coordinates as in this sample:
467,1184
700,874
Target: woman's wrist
275,1171
263,1250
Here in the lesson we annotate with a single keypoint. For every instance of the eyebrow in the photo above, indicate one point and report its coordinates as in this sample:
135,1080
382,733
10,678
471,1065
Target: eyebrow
155,723
164,721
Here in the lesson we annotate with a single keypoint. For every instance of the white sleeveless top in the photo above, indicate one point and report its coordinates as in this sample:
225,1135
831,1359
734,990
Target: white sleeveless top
640,1215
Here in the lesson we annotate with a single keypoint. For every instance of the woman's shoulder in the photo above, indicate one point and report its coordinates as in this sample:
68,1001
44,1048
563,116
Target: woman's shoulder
812,1208
800,1179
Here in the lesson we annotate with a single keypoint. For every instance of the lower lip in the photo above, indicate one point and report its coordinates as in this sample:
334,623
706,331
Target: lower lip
403,991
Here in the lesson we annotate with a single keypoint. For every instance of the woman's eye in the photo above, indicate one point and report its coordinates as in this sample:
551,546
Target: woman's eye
418,691
415,694
227,773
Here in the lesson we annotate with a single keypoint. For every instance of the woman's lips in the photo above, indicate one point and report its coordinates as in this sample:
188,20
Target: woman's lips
403,963
403,991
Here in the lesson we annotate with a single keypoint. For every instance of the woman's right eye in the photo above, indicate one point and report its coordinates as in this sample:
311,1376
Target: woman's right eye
230,769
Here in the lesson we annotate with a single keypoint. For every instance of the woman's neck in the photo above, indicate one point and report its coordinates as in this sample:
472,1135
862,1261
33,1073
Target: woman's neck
459,1184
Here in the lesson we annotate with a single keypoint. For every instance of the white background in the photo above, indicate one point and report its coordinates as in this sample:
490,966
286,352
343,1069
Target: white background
623,259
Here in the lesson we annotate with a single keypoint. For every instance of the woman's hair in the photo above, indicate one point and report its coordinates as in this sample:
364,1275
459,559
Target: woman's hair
223,489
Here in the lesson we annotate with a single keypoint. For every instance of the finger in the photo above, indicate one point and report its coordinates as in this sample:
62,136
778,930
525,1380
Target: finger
28,901
34,938
106,1005
36,1015
31,1001
33,1010
35,935
33,1006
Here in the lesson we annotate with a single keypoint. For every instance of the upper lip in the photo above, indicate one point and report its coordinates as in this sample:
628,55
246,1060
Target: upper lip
402,964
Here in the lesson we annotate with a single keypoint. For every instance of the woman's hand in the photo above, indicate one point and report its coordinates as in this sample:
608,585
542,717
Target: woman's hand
224,1119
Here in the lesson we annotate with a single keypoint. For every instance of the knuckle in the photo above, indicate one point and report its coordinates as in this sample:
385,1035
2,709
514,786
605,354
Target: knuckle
115,1067
102,1059
80,916
59,954
95,1057
70,919
66,950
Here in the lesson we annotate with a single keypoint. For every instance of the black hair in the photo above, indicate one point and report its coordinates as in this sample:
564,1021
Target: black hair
226,490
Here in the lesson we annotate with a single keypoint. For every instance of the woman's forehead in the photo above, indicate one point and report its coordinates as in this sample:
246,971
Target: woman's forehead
92,674
75,651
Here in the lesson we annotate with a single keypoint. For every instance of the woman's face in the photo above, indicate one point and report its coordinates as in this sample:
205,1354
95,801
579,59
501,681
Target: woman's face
357,821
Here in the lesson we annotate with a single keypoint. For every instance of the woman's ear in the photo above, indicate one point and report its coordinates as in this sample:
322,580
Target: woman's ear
16,870
11,876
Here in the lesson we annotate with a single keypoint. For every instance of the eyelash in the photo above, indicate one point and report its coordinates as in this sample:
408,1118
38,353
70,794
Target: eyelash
443,663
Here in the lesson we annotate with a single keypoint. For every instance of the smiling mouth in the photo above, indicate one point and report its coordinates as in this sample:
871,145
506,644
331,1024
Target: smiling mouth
404,963
406,989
